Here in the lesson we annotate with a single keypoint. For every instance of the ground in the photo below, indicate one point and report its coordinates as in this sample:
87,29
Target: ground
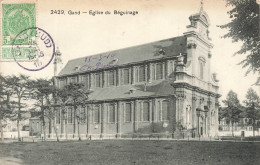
131,152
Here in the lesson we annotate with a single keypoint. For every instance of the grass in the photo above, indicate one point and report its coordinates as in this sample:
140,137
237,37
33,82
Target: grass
131,152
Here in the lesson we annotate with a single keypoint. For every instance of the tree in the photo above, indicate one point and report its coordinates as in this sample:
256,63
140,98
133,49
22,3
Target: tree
232,112
252,104
76,95
42,89
244,26
4,104
21,88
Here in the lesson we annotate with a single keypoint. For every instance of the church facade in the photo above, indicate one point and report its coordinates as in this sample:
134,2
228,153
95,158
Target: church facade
164,87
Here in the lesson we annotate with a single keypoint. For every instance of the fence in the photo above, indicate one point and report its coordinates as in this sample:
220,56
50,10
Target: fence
14,135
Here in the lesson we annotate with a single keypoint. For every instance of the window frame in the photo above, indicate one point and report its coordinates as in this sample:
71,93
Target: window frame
147,113
114,113
130,113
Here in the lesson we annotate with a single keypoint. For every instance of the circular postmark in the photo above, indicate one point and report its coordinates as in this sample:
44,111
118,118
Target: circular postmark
37,53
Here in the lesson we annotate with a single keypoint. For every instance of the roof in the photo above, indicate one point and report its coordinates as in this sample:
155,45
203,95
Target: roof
159,88
151,51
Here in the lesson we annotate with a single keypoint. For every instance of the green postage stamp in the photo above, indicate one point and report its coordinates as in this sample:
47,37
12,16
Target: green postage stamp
15,19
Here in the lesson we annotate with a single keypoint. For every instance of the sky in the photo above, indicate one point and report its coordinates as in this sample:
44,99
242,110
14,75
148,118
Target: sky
83,35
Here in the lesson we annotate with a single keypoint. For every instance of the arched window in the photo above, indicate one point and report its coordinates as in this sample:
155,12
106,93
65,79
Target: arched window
82,115
98,79
96,114
111,117
126,74
212,117
165,110
58,116
111,77
70,115
202,62
188,111
146,111
128,112
141,74
159,71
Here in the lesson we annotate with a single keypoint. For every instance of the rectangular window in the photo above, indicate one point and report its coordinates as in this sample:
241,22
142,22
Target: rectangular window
111,77
128,112
70,115
146,111
85,81
126,76
98,81
159,70
96,114
58,116
112,113
141,77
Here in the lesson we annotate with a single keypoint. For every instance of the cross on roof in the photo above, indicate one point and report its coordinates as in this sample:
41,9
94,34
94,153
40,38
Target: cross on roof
201,5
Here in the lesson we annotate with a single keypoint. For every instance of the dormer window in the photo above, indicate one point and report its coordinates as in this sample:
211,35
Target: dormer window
161,51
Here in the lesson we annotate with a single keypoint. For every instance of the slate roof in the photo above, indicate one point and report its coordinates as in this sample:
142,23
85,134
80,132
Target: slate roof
159,88
135,54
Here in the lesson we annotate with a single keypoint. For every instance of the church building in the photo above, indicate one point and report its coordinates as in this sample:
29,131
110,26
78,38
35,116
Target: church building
164,87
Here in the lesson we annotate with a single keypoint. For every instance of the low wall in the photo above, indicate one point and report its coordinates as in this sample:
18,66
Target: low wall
238,133
14,135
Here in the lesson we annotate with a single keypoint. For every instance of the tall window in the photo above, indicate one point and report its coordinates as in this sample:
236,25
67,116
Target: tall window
82,115
146,111
159,71
165,109
72,79
70,115
159,110
126,76
202,62
62,82
201,70
141,76
112,113
96,114
58,116
85,80
128,112
111,77
98,80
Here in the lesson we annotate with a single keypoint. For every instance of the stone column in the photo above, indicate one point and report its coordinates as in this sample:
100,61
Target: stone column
102,119
134,116
119,119
133,74
150,73
88,119
163,70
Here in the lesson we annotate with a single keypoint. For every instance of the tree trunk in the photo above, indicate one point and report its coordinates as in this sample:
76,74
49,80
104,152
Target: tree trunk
43,123
44,130
18,119
2,130
78,129
66,129
18,130
56,131
74,121
253,128
232,129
